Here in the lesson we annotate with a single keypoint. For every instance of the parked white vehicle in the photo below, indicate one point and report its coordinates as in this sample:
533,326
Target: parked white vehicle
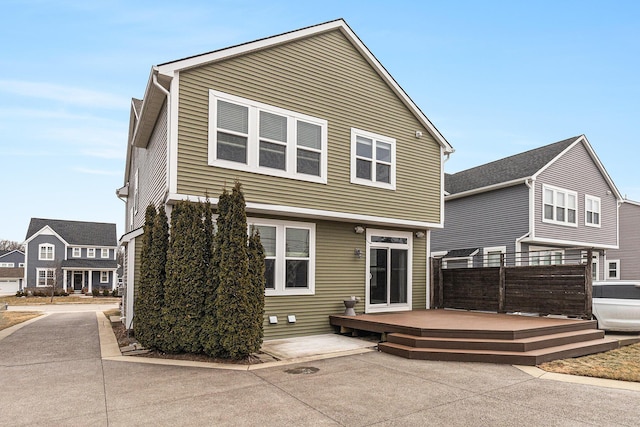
616,305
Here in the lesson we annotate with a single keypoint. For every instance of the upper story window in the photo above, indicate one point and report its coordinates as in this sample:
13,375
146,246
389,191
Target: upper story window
251,136
104,277
104,253
91,252
76,252
46,252
592,211
289,256
559,206
373,159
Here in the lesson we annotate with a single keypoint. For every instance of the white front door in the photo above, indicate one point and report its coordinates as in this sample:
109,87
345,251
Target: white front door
388,271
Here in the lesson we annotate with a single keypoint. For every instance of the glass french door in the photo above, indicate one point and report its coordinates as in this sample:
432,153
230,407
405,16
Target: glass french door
389,271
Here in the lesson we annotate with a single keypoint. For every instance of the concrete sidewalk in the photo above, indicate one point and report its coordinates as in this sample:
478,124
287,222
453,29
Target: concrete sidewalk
52,372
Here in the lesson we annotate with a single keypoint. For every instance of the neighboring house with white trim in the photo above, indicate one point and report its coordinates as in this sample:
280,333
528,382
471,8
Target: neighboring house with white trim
624,263
73,255
11,271
547,205
342,172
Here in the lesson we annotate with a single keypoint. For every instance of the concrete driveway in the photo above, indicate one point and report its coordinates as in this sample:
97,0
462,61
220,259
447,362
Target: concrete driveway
52,373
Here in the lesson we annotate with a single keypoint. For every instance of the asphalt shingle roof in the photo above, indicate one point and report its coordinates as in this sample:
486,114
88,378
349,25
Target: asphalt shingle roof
77,232
518,166
94,264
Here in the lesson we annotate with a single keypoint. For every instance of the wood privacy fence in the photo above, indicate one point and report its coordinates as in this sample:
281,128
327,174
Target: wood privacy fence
545,289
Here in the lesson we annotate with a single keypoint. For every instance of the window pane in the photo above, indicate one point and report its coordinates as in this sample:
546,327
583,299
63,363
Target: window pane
273,126
309,135
386,239
270,273
297,274
590,217
268,239
571,201
589,204
596,218
383,152
548,196
308,162
383,173
571,216
233,117
560,214
272,155
548,212
560,199
398,285
364,147
232,147
297,242
363,169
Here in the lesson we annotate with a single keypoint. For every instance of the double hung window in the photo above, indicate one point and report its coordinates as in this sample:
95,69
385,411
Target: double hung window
613,270
373,159
45,277
46,252
91,252
104,277
76,252
289,256
592,211
260,138
559,206
104,253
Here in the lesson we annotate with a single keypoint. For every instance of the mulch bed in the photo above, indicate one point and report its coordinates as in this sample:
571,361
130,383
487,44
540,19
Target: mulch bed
126,339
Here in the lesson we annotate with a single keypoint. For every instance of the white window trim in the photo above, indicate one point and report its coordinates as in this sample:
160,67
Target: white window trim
47,278
567,193
53,252
537,251
102,253
617,263
253,140
104,277
91,252
136,196
7,264
281,227
375,137
599,211
380,308
73,252
485,253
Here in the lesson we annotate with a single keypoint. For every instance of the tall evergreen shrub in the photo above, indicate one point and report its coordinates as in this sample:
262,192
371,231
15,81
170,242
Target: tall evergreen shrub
235,302
158,258
209,335
143,307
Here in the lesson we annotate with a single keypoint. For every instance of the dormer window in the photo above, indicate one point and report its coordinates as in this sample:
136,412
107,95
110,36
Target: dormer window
91,252
76,252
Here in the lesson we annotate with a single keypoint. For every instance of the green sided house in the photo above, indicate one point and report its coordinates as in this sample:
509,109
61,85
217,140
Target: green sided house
342,172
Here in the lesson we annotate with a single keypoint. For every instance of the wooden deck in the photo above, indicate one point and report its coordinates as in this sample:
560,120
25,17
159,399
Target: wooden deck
479,337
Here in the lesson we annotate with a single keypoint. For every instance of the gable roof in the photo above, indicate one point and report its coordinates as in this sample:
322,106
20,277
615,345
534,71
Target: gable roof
4,253
161,76
76,232
513,168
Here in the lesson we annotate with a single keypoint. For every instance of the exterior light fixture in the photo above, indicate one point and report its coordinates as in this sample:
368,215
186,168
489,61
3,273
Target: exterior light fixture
357,252
359,229
273,320
420,234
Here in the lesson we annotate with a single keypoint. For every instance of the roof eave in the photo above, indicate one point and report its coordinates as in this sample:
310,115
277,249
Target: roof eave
487,188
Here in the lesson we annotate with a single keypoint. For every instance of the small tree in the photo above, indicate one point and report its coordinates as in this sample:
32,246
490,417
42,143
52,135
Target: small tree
257,282
235,307
209,335
143,308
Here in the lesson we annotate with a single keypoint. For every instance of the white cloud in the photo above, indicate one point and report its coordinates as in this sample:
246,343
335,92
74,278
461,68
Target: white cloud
64,94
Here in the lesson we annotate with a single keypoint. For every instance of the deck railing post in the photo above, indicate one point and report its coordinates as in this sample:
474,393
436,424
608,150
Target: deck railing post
501,285
588,285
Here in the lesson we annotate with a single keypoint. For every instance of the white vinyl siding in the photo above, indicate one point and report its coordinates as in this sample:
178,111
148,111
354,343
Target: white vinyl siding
559,206
255,137
373,159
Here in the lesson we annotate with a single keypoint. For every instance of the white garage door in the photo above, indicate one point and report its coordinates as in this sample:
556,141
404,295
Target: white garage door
8,287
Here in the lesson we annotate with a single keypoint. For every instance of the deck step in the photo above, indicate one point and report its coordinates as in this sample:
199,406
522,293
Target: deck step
476,343
531,357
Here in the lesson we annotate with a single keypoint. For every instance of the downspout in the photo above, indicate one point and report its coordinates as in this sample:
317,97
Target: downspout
530,183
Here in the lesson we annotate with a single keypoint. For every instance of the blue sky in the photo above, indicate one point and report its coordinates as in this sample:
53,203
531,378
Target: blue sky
495,77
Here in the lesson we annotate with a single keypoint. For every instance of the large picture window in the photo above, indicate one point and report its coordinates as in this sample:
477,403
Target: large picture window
45,277
289,256
559,206
373,159
260,138
46,252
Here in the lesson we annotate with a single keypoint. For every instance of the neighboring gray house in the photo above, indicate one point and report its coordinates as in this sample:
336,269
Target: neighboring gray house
543,206
11,271
624,263
72,255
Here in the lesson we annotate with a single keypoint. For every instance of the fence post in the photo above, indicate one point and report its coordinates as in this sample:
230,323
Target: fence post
588,285
501,285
